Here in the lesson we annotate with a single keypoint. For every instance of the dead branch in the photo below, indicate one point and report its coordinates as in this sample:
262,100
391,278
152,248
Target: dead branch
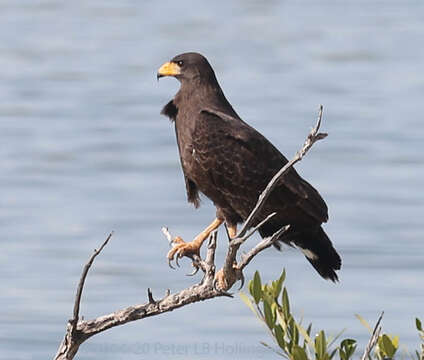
262,245
373,340
83,277
78,331
71,341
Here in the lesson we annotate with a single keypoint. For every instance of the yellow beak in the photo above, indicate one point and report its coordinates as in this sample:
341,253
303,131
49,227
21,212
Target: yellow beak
169,69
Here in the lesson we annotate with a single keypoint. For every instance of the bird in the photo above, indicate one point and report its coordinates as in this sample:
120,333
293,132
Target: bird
230,162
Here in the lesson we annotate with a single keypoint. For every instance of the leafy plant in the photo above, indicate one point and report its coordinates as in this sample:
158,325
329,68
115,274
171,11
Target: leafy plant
270,302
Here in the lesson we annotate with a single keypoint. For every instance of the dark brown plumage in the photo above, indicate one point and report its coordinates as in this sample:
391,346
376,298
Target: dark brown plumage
231,163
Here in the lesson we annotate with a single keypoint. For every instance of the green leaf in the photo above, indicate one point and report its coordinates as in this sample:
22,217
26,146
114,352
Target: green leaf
350,351
286,303
250,287
290,326
283,275
395,341
320,345
295,333
308,330
388,347
269,316
347,343
280,283
281,319
257,287
274,308
418,324
279,336
268,293
299,353
347,348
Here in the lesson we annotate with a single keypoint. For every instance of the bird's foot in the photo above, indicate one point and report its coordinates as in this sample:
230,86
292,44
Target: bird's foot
182,248
223,283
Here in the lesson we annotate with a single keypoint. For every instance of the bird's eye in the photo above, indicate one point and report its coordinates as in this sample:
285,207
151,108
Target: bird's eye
180,63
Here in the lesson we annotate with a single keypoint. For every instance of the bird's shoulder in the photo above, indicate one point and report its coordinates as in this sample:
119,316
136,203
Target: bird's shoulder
231,130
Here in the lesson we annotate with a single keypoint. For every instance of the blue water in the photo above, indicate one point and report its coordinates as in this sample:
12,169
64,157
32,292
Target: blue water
84,151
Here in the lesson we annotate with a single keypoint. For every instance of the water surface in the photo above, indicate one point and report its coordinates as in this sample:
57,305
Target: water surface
84,151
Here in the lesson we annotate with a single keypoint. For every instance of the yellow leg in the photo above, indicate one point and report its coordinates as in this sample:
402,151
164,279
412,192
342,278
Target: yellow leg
189,249
232,231
199,239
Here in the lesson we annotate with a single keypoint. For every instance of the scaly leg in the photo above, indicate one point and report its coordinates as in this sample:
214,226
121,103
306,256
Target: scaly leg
232,231
189,249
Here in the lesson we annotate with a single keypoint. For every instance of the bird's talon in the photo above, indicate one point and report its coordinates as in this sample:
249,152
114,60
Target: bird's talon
170,264
241,281
182,249
215,282
194,272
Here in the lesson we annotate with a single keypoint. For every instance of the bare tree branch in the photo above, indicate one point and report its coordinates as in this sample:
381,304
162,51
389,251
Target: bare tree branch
71,341
262,245
373,340
83,277
77,334
79,331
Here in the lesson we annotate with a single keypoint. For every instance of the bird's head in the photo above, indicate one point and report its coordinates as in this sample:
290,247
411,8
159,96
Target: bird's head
187,67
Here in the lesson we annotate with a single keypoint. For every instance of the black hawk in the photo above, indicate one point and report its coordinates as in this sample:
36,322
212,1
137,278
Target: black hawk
231,163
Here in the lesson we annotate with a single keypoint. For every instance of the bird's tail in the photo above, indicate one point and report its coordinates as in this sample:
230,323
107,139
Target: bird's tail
317,248
319,251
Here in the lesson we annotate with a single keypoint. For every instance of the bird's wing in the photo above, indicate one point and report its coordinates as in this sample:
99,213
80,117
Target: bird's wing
191,188
234,152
